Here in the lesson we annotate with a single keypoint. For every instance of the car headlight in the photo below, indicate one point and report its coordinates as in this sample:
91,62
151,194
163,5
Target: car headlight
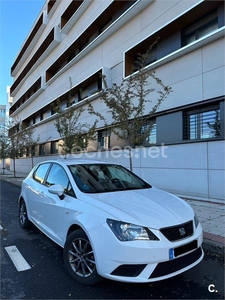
130,232
196,220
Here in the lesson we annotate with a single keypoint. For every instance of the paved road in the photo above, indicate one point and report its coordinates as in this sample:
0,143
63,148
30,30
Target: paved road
47,278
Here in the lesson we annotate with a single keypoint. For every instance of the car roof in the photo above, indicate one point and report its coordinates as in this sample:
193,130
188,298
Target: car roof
76,161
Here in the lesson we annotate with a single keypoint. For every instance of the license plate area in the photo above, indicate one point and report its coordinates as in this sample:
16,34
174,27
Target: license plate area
183,249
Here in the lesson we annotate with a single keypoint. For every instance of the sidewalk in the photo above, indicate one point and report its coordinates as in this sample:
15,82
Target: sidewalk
212,217
210,214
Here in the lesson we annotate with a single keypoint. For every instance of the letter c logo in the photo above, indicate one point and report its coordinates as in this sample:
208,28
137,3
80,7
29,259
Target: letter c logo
211,288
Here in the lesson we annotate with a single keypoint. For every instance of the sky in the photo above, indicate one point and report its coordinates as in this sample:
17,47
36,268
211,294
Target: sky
16,20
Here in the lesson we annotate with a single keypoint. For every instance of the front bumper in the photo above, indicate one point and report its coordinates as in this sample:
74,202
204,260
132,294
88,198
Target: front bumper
144,261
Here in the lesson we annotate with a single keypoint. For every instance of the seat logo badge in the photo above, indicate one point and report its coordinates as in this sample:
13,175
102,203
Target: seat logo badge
182,231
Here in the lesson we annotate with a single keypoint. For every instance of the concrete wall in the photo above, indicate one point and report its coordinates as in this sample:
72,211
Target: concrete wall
192,170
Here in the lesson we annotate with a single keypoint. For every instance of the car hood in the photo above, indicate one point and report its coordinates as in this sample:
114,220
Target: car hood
148,207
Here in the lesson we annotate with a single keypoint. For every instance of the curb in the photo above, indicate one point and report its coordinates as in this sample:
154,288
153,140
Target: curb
13,180
214,244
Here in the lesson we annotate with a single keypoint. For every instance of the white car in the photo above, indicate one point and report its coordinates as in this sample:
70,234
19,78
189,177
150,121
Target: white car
110,222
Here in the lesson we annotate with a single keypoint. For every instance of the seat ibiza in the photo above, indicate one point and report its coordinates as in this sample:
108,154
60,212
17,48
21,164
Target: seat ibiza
110,222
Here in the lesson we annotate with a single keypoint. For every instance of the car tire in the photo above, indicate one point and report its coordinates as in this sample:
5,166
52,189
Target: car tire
79,258
23,218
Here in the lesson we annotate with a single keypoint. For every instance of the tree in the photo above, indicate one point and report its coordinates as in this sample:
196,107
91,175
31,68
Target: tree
126,103
15,141
74,134
215,126
20,139
4,146
29,142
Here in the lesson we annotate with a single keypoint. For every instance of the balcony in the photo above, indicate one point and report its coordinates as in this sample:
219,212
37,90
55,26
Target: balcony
74,11
172,36
95,34
86,90
51,7
31,41
51,41
26,98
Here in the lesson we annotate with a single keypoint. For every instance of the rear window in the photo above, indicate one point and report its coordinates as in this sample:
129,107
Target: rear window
40,172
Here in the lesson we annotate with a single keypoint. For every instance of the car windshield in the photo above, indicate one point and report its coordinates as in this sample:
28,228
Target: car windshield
99,178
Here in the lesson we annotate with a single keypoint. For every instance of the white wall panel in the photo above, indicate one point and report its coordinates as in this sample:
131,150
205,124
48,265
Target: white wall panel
186,182
216,155
183,68
117,72
214,83
187,156
161,12
213,55
217,184
184,92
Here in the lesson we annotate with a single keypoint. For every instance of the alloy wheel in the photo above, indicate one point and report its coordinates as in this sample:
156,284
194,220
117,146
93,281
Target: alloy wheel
81,257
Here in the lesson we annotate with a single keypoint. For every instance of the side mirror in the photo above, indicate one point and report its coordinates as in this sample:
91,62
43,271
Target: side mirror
57,189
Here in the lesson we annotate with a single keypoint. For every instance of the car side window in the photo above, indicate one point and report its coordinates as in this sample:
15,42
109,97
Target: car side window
40,172
57,175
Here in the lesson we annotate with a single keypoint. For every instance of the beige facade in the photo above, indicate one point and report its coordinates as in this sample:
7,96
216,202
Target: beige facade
80,39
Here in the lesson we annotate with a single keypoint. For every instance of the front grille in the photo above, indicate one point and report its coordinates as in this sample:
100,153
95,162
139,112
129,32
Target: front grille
171,266
178,232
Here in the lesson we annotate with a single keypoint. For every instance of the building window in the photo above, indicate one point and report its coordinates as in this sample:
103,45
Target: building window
21,152
104,139
150,129
202,123
32,150
27,151
201,28
106,25
42,149
54,147
145,58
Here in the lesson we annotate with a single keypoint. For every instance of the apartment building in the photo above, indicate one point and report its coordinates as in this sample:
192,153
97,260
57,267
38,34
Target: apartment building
81,40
